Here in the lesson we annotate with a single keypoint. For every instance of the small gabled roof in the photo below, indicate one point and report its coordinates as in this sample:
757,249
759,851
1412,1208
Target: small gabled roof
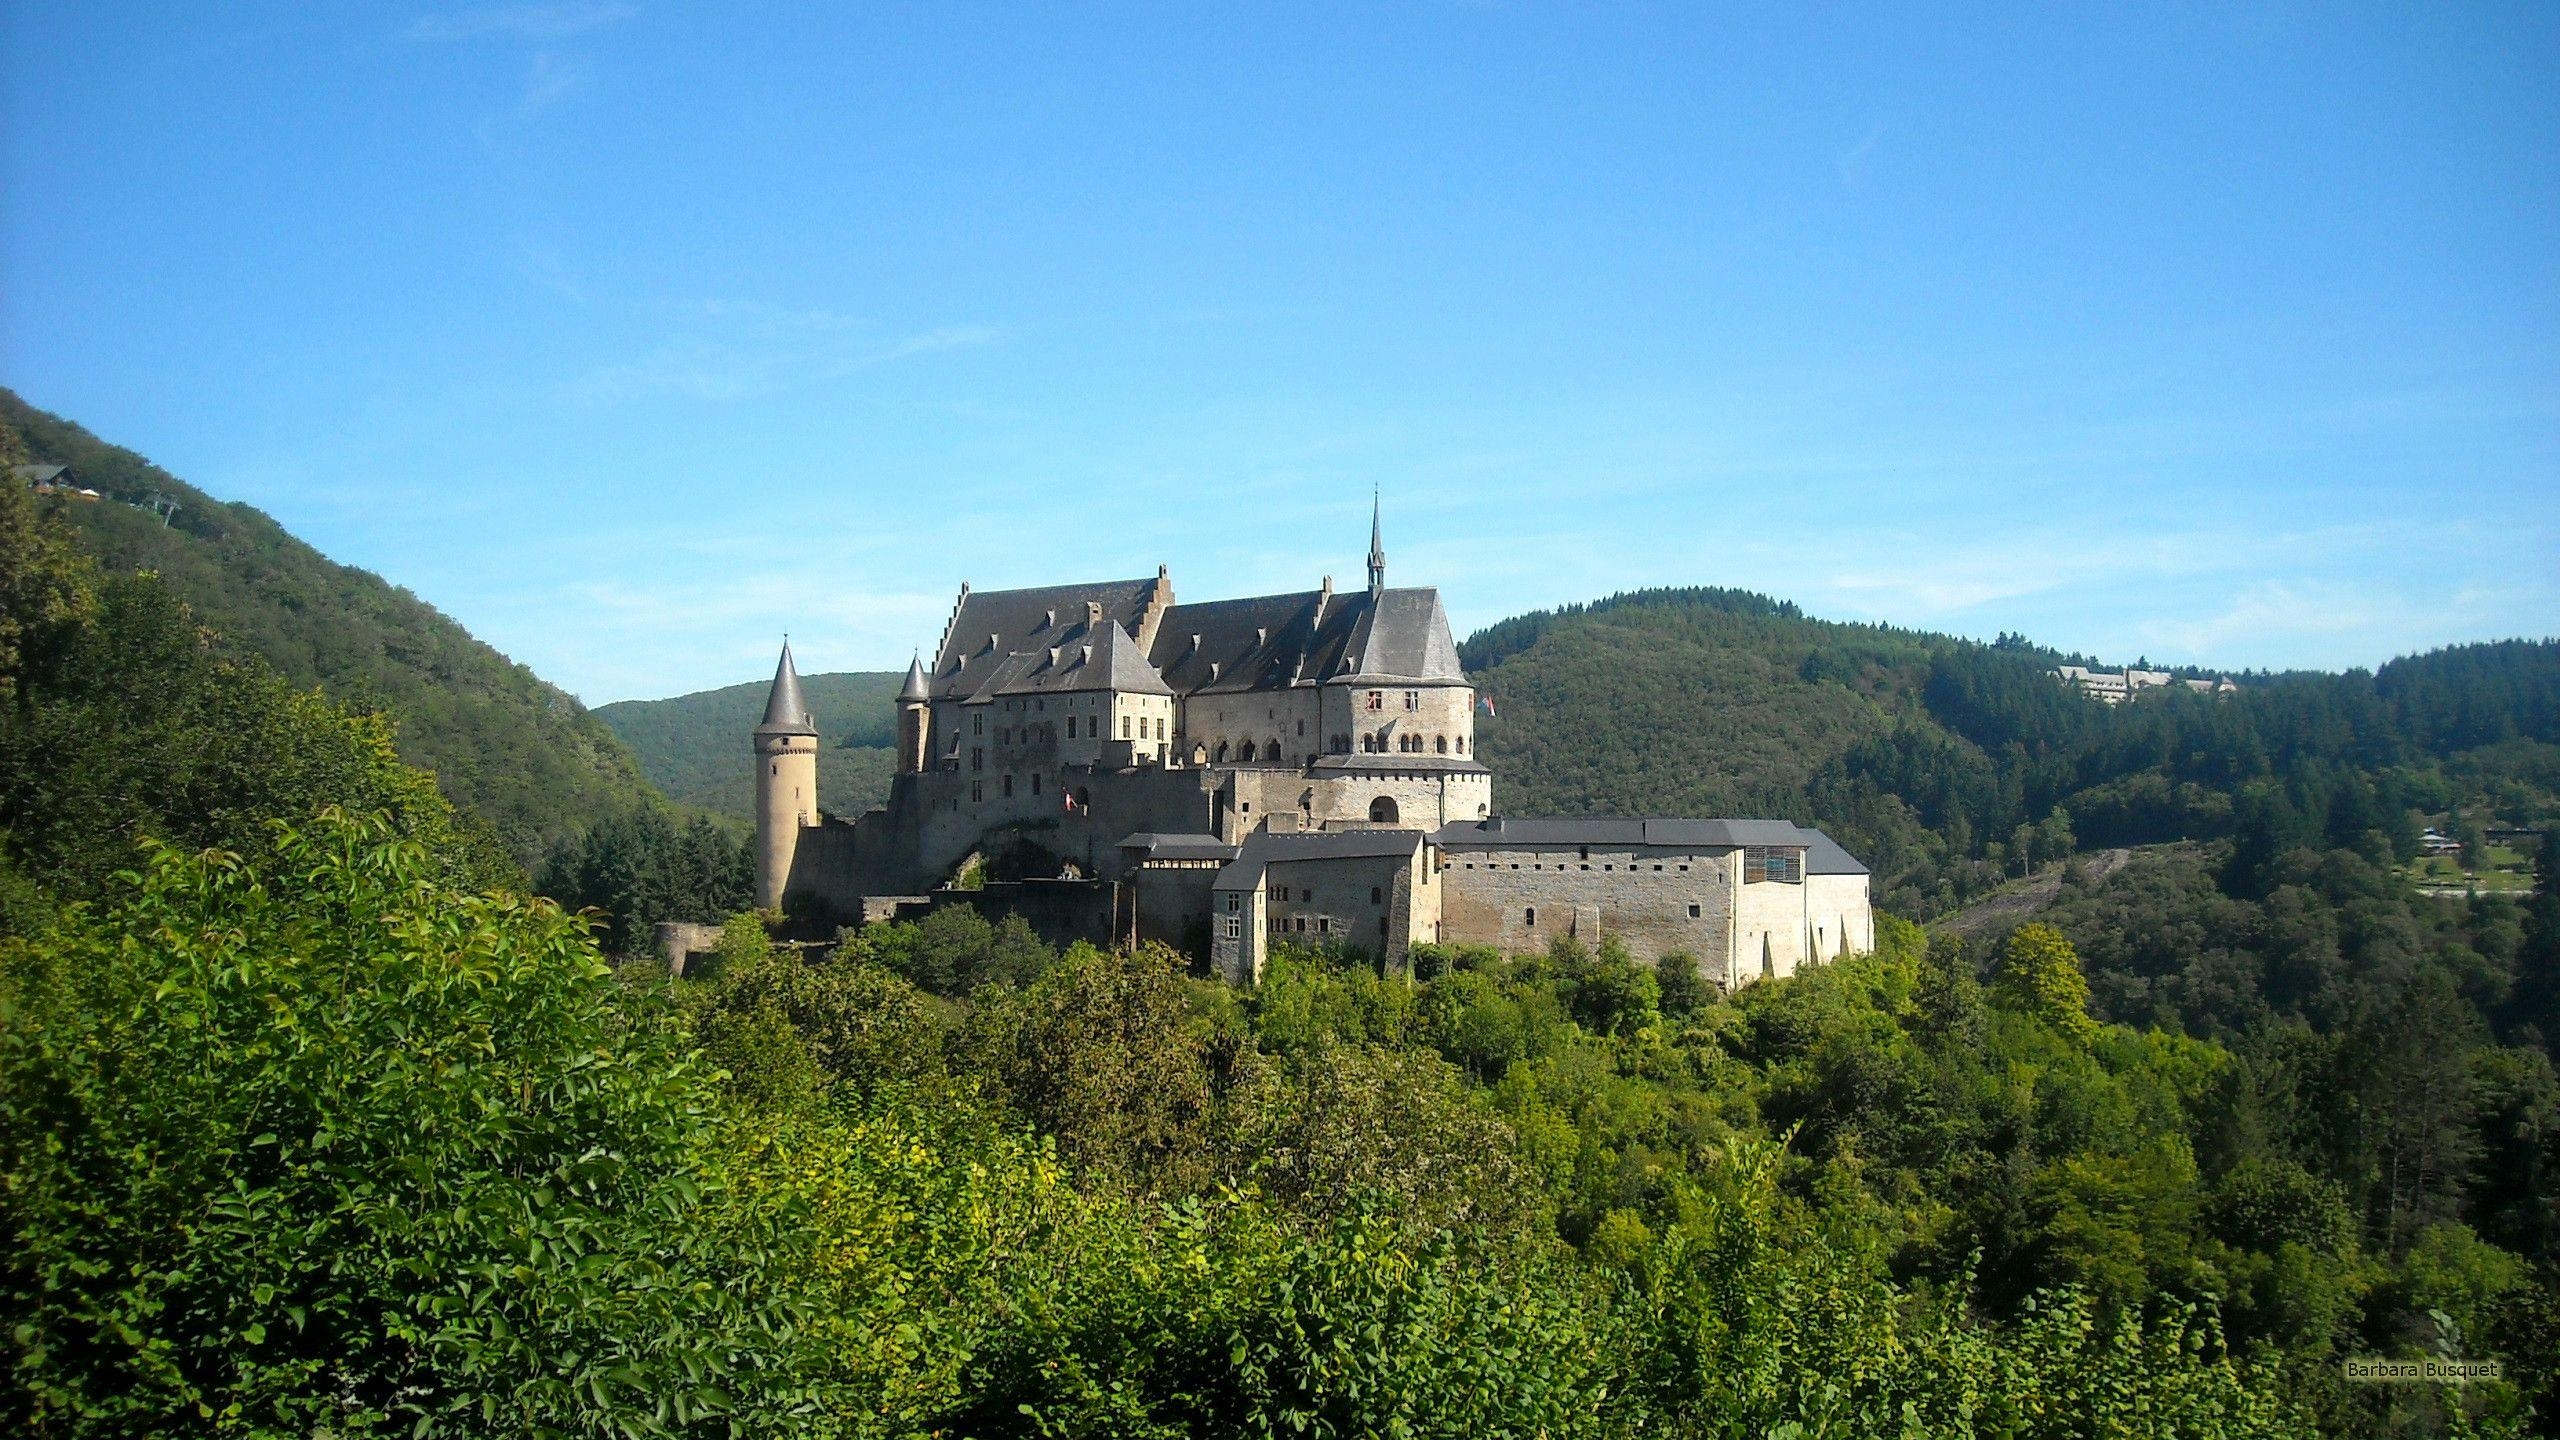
1264,848
37,474
1113,662
786,711
1154,845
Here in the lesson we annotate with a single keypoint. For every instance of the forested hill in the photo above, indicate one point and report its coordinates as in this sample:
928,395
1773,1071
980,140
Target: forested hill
522,755
1942,760
694,747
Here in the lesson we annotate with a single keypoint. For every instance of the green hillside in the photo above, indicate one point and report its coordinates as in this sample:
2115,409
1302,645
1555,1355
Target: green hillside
519,753
1950,764
694,747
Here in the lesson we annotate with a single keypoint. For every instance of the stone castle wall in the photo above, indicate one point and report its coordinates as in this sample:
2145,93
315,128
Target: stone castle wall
1643,896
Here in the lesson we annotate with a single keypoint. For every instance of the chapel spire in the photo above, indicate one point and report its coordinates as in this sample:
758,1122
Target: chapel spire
1377,550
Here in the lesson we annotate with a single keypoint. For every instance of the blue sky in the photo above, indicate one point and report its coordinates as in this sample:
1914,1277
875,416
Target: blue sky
634,335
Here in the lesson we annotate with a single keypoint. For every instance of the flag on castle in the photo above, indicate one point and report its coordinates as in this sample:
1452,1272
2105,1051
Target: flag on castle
1485,703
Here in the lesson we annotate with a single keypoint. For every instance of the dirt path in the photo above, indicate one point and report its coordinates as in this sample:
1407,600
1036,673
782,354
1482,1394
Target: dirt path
2020,899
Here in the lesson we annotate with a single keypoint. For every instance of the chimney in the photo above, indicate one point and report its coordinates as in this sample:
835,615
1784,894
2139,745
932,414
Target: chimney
1092,615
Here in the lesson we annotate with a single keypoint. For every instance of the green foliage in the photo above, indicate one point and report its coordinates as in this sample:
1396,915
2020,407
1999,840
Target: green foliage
325,1143
2040,975
521,756
640,868
954,951
126,724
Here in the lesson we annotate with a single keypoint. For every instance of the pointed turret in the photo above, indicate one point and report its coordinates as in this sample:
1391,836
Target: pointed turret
1377,550
786,748
915,718
785,711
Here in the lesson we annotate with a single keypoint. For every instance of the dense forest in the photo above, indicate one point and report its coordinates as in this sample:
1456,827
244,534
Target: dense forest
312,1119
520,754
1950,765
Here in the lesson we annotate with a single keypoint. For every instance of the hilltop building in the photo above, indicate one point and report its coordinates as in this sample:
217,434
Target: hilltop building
2114,687
1125,766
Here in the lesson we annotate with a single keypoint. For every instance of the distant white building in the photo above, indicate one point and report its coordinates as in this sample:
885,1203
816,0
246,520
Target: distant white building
2114,687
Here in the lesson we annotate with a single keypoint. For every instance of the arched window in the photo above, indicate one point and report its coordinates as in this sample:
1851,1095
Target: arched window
1462,744
1382,811
1530,915
1221,756
1245,755
1440,743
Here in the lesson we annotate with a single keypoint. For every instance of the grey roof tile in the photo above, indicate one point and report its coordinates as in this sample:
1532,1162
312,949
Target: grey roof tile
786,712
1264,848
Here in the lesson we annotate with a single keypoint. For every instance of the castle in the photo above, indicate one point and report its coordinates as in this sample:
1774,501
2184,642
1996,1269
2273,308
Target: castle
1126,767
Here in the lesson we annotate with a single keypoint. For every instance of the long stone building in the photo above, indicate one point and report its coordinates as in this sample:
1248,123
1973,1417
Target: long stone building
1220,774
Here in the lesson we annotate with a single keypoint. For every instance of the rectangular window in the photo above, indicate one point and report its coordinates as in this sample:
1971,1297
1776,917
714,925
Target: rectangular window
1693,912
1413,699
1008,787
977,757
1235,928
977,790
978,725
1772,863
1377,699
1234,903
1035,782
1124,727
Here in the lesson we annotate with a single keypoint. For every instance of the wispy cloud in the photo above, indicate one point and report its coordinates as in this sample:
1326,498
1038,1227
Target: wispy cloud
739,350
517,22
549,80
1853,162
2274,611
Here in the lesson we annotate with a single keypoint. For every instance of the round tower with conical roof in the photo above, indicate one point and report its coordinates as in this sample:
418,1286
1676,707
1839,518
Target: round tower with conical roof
786,745
915,719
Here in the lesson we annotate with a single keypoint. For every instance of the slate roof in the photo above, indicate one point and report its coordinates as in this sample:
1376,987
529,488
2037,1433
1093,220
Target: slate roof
1264,642
1159,846
1264,848
1114,663
37,474
1258,642
786,712
915,688
1024,622
1823,855
1407,636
